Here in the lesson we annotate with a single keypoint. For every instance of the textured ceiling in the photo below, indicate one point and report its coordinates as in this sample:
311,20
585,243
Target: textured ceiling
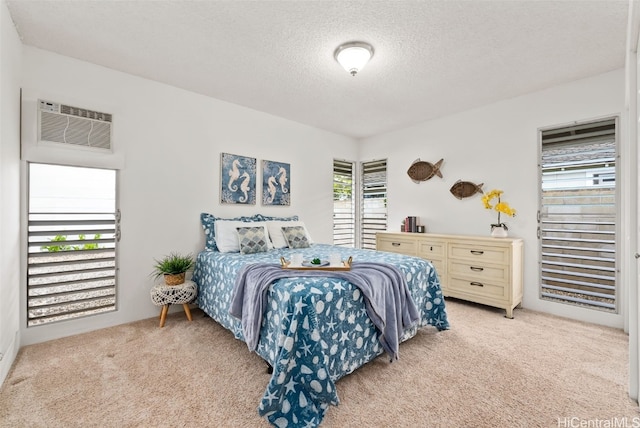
432,57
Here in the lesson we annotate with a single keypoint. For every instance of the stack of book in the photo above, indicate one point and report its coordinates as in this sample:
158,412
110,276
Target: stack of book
411,224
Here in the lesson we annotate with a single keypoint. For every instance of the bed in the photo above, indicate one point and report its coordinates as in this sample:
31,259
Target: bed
314,330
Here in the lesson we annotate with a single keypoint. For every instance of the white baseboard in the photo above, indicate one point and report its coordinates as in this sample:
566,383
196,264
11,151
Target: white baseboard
9,356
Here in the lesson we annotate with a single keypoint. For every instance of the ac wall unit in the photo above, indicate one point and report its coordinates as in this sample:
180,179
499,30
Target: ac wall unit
64,124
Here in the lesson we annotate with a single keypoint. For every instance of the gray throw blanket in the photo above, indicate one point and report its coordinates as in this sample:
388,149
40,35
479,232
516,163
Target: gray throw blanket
385,290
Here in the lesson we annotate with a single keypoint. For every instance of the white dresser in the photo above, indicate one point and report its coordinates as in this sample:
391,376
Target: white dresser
480,269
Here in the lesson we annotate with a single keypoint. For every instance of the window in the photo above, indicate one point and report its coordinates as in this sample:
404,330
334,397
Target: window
343,203
373,201
73,228
577,224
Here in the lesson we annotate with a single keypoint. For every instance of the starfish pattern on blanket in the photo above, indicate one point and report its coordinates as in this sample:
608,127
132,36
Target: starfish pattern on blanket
315,330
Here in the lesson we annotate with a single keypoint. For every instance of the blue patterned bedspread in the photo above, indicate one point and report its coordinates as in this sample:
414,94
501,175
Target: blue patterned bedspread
315,330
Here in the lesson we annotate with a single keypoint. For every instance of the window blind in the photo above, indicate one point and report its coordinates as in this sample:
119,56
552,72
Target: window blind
577,215
343,203
72,231
71,268
373,207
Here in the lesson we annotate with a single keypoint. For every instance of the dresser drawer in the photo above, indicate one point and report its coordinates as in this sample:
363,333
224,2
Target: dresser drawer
477,288
431,249
399,245
479,253
478,272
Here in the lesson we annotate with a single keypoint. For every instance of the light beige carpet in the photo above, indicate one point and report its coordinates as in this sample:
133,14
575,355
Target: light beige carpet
487,371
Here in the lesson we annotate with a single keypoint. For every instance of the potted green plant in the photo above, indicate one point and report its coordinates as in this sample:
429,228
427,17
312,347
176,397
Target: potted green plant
173,267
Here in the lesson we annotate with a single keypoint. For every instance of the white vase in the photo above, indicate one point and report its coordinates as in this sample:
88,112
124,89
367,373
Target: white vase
499,232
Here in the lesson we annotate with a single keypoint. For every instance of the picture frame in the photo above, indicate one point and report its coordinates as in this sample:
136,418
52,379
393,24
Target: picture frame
276,183
237,179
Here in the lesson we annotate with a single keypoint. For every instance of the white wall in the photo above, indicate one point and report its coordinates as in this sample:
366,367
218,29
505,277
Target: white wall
633,160
496,145
10,68
171,141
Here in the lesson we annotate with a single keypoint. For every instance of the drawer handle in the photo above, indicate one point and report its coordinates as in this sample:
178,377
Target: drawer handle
395,244
477,252
477,284
476,269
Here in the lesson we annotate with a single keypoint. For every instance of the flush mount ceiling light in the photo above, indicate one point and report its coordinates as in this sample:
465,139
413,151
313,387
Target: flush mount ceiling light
353,56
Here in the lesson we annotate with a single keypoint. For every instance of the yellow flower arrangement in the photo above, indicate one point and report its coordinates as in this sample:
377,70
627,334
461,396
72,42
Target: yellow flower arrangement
500,206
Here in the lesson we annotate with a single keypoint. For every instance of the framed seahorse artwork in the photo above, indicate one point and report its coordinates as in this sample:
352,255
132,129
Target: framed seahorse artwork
276,183
238,179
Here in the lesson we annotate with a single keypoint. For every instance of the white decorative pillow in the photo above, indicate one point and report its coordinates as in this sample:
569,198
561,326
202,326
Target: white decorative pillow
208,224
226,235
252,240
296,237
277,236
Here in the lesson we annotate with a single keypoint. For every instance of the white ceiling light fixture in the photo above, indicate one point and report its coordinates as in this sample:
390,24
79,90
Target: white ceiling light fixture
353,56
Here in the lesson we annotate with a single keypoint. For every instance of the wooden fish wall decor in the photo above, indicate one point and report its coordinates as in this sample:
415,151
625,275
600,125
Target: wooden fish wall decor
423,170
464,189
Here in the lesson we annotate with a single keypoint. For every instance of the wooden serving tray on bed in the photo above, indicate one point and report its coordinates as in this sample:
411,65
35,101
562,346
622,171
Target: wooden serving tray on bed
346,265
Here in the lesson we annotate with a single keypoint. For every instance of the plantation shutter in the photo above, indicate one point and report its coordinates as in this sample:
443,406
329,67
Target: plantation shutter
343,203
578,215
373,208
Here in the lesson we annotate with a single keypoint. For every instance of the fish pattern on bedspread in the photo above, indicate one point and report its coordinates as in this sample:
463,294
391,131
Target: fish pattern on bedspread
315,330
